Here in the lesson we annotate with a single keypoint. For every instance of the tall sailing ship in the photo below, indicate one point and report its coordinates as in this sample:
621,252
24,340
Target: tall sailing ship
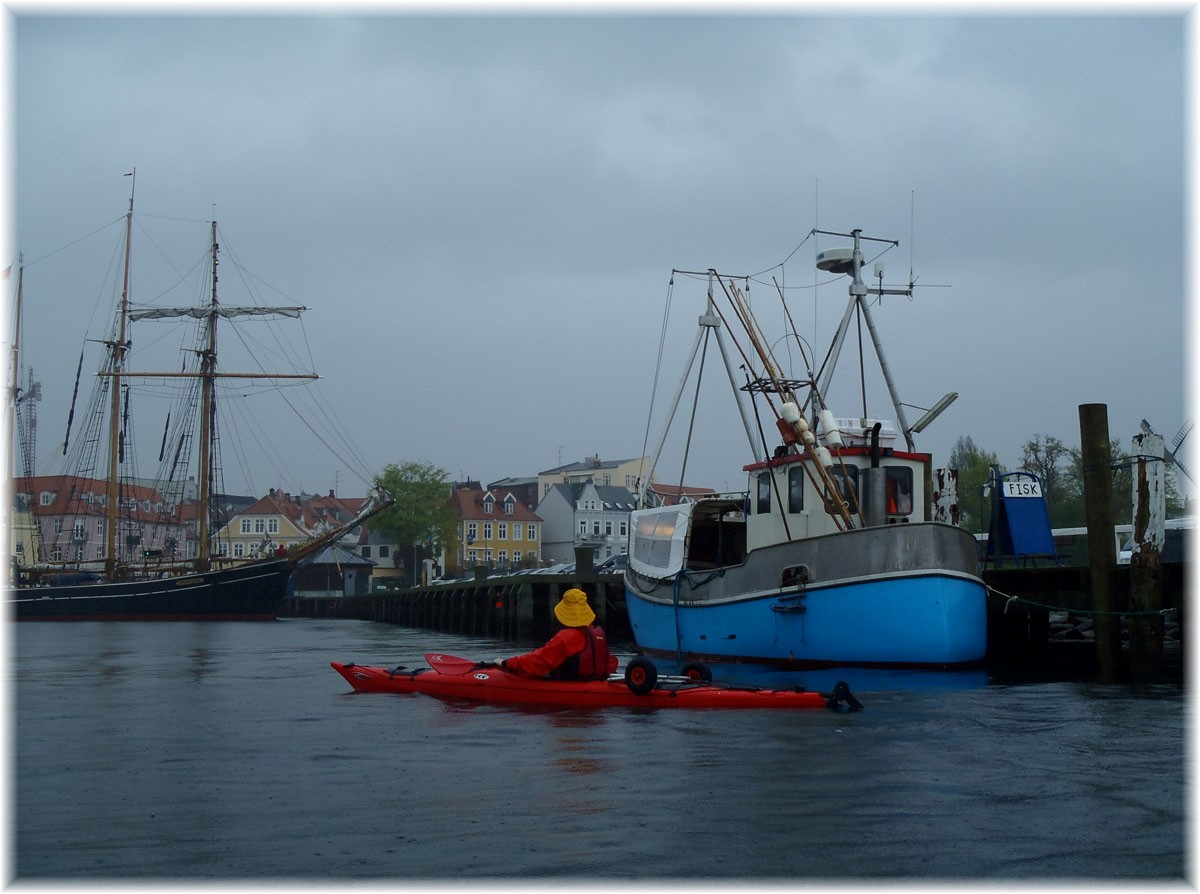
120,548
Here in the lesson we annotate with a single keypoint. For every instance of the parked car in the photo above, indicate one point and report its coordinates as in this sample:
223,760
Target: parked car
614,564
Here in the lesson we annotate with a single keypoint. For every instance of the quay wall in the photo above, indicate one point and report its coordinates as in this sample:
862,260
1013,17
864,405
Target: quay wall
1038,618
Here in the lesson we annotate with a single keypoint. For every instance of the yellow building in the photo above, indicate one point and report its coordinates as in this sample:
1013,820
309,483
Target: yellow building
494,529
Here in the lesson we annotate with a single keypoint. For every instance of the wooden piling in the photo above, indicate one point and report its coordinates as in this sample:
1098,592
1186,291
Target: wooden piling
1102,551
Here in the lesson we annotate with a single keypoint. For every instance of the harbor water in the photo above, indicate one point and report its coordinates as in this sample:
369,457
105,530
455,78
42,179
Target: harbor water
221,752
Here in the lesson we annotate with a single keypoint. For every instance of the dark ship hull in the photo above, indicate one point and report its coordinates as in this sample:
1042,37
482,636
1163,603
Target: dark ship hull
251,592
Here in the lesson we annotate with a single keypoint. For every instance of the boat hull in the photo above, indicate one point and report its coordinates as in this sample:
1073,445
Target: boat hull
251,592
895,596
494,685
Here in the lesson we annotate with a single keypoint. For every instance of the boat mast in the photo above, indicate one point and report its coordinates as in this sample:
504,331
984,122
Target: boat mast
838,263
10,440
117,351
14,388
208,368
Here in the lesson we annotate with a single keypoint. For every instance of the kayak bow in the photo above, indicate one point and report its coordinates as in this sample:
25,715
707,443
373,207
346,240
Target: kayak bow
449,677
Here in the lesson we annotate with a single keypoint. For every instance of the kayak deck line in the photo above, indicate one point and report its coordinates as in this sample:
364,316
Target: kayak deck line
480,682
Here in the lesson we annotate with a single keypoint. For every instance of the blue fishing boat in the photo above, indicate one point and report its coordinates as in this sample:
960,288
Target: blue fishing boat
842,549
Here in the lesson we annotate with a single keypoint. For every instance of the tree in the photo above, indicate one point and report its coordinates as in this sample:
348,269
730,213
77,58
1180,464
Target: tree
974,470
1047,457
421,514
1073,511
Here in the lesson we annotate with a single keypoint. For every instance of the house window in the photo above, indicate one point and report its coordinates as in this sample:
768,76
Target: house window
58,526
795,489
245,526
608,529
80,532
239,550
260,526
273,526
366,552
508,507
487,507
56,554
624,527
582,527
223,548
532,531
487,530
473,556
503,556
46,497
516,557
384,551
20,549
502,531
100,522
596,527
487,556
516,530
99,552
79,554
472,531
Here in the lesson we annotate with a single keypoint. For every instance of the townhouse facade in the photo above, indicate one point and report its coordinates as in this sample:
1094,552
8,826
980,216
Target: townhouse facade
606,473
68,522
494,529
278,521
589,515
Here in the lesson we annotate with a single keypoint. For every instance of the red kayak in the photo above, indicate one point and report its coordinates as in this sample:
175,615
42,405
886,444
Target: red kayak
640,686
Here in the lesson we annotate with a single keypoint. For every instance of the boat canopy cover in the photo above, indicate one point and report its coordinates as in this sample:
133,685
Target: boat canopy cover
657,540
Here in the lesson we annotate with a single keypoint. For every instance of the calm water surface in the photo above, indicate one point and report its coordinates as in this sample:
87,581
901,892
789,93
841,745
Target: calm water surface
230,751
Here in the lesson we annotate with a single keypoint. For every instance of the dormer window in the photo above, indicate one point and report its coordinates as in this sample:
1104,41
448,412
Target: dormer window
508,506
46,497
488,504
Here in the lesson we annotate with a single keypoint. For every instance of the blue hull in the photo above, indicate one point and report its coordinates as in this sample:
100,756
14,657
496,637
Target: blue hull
922,620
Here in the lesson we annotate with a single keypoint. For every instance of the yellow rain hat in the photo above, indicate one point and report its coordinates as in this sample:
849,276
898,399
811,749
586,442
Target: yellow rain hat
573,609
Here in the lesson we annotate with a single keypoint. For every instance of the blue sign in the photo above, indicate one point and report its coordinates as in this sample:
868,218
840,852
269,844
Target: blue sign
1020,526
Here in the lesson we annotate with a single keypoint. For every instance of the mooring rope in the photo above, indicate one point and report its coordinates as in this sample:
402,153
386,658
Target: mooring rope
1010,599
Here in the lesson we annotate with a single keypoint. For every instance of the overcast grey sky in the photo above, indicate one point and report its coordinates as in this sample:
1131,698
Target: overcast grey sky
483,212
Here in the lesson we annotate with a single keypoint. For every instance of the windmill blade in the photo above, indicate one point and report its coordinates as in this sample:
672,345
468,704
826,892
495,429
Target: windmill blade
1183,432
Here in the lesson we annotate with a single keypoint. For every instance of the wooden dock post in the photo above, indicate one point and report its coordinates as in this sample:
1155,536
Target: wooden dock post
1102,550
1145,563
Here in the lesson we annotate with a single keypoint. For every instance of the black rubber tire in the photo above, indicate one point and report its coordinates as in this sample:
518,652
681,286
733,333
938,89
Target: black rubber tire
697,671
641,675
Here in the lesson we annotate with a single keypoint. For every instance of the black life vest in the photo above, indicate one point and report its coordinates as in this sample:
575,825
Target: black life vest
589,664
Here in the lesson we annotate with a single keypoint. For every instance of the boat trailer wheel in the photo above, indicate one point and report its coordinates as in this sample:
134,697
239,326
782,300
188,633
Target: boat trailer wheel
697,671
641,675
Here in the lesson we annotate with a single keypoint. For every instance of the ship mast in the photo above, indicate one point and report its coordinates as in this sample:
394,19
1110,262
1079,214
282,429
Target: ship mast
208,368
117,351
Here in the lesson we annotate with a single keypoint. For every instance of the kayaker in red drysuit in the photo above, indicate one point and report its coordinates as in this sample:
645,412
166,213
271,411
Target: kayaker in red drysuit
579,652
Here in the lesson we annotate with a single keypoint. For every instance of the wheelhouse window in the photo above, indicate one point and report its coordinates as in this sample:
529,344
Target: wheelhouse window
898,491
796,489
845,478
763,503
